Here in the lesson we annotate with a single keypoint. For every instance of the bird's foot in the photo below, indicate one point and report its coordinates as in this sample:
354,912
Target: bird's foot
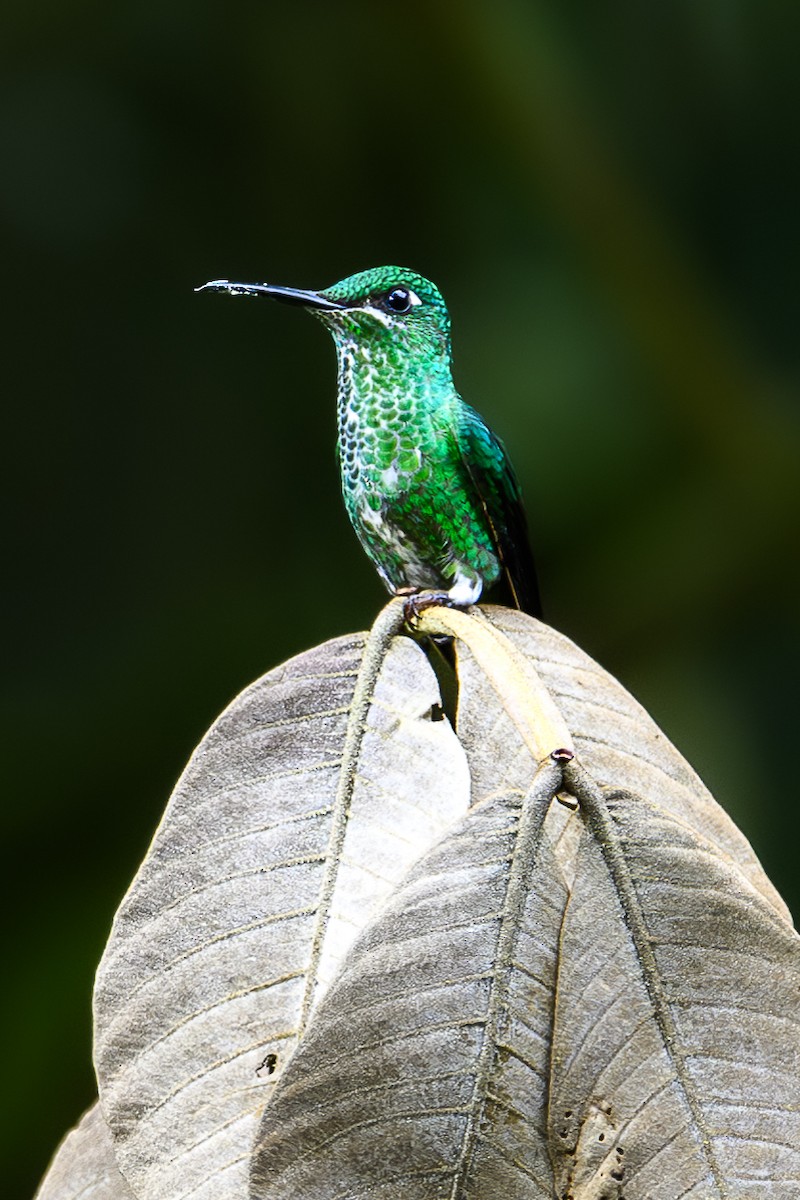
417,601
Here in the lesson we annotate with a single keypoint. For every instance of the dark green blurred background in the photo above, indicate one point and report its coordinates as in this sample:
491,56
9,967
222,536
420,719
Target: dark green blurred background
608,197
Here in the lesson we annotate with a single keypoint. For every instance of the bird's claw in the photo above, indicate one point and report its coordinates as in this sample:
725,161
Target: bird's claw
416,602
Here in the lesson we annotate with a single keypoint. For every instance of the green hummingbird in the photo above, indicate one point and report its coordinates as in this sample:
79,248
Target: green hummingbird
428,487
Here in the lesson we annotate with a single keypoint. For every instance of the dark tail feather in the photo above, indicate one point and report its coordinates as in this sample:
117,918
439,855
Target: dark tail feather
520,581
525,589
515,554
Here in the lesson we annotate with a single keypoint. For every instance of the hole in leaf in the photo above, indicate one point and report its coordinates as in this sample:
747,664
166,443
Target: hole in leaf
267,1065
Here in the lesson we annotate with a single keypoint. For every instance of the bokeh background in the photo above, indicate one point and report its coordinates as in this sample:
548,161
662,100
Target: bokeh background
608,197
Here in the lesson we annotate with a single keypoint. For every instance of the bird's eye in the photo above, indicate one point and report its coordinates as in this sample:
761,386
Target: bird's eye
399,300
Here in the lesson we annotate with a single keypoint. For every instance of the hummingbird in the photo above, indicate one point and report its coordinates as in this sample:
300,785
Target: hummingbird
428,488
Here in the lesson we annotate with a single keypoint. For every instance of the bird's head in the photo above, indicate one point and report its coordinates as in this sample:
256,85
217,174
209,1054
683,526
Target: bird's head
389,309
